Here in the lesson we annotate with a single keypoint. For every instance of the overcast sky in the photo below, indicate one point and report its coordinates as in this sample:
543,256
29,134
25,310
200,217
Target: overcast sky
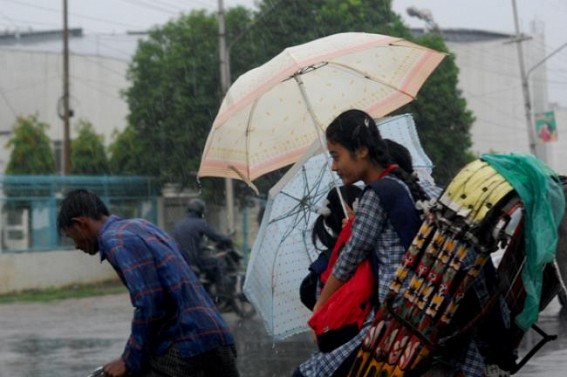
118,16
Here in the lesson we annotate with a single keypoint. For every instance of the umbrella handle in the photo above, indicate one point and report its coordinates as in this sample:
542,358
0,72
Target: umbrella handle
343,205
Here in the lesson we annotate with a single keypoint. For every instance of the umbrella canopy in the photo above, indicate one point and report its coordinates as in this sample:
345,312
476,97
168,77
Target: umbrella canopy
271,114
283,249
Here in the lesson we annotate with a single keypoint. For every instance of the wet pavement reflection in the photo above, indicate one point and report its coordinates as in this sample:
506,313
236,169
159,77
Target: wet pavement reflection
259,355
551,359
70,338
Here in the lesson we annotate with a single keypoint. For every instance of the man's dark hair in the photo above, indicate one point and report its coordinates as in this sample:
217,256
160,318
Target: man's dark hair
77,203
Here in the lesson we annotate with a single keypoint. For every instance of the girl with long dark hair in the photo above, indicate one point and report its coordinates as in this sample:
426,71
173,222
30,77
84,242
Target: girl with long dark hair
359,153
381,230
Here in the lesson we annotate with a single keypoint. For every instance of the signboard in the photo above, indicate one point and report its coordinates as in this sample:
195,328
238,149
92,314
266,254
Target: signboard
546,128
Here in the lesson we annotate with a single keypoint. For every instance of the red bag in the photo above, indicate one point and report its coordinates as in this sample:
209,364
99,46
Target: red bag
345,311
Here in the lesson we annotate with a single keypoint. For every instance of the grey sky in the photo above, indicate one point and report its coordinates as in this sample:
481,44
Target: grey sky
497,15
117,16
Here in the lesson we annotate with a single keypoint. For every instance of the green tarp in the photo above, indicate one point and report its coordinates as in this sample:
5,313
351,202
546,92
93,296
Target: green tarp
544,203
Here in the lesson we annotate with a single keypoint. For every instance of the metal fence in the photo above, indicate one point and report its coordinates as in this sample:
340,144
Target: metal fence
29,206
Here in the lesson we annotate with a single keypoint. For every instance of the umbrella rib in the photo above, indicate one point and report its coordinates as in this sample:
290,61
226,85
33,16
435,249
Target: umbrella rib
365,75
306,195
303,202
290,196
294,211
247,138
297,209
307,192
244,178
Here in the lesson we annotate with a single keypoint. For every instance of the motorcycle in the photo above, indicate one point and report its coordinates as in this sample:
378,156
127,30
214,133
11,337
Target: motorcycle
233,299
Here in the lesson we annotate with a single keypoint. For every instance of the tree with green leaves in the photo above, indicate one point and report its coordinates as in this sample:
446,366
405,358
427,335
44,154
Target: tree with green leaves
124,151
175,89
173,99
88,155
442,119
285,23
174,94
31,148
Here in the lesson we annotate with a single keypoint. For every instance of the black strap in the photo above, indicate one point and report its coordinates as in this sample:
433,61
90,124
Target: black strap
400,207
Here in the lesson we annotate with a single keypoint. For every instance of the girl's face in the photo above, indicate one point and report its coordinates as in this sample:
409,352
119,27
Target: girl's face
351,167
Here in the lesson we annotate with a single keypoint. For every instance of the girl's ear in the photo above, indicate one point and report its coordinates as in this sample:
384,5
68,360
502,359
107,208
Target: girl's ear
362,152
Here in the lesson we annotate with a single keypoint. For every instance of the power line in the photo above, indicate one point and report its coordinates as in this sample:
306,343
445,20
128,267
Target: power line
8,19
50,24
203,3
121,74
139,3
167,4
44,81
121,52
58,11
92,84
174,6
5,98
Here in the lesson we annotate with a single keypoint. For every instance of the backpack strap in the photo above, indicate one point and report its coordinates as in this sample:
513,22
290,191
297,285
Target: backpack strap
400,207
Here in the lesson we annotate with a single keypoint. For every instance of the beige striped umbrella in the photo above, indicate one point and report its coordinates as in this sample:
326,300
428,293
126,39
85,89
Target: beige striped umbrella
272,114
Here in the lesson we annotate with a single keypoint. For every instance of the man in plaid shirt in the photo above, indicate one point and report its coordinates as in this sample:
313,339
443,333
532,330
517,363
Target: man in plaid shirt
176,329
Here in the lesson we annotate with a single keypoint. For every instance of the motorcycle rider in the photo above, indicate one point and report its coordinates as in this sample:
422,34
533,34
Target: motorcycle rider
190,233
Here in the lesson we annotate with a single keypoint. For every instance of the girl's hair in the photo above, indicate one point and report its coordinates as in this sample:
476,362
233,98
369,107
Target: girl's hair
77,203
333,219
400,155
354,129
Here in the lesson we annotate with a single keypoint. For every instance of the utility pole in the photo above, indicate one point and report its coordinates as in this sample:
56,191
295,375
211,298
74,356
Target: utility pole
225,83
525,84
66,112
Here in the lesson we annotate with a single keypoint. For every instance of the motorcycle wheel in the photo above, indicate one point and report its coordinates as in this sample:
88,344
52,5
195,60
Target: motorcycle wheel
242,307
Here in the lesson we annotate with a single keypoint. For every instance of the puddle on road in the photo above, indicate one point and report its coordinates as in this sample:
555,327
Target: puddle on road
259,355
41,347
58,357
551,325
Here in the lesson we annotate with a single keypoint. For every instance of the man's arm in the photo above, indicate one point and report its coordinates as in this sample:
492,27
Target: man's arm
135,263
116,368
214,236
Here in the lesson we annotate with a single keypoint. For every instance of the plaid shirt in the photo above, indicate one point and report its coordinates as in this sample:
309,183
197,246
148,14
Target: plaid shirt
324,364
372,231
171,306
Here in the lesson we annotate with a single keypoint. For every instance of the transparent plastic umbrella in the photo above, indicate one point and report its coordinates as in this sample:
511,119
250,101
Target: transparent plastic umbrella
283,249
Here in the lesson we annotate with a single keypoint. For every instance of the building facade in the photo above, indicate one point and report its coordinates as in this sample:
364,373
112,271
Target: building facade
31,82
490,80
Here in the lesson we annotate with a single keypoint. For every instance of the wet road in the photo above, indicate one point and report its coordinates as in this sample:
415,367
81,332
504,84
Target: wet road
551,360
69,338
